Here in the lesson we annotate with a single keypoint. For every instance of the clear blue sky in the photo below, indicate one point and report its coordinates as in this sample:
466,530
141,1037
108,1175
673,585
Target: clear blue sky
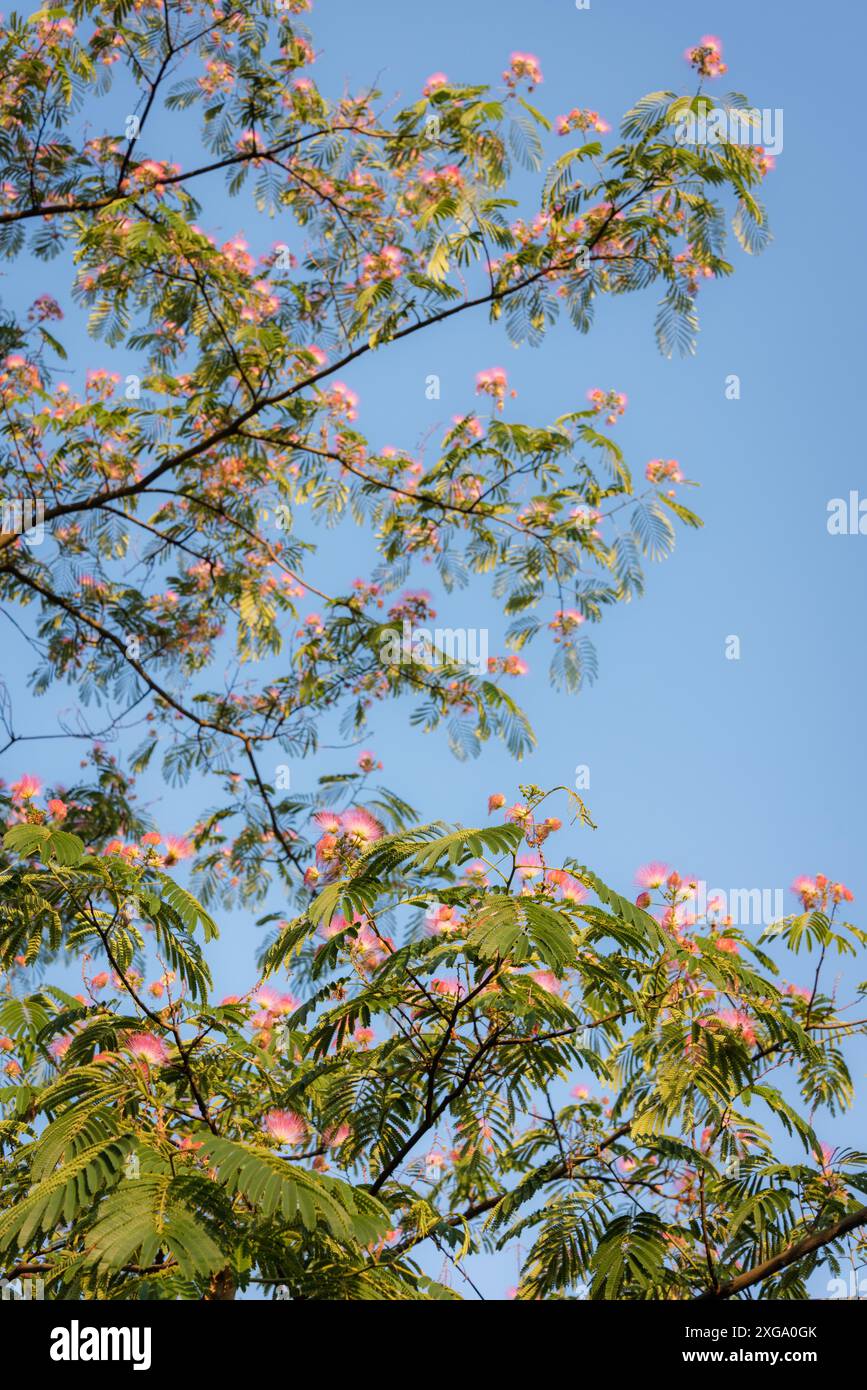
745,772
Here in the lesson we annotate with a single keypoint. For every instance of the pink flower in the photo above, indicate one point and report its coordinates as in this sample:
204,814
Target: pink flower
706,57
176,848
565,619
613,403
275,1002
329,820
326,848
727,944
450,986
571,889
515,666
476,872
367,761
807,890
495,801
60,1047
286,1126
523,65
735,1020
386,264
529,865
362,825
342,400
579,119
441,919
147,1047
371,950
25,788
652,875
493,382
337,925
434,82
660,469
547,980
337,1135
58,809
765,163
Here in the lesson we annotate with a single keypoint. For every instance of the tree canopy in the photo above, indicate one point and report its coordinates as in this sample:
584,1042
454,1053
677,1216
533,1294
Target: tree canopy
396,1075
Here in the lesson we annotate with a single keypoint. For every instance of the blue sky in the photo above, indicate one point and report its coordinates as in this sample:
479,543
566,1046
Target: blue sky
746,772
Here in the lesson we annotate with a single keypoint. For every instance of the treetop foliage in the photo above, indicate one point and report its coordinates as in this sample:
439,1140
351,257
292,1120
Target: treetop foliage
398,1073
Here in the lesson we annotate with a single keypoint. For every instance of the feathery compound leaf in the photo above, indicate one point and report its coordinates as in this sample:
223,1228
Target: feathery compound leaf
276,1187
425,1046
750,225
507,926
46,841
188,908
148,1214
651,111
647,926
65,1194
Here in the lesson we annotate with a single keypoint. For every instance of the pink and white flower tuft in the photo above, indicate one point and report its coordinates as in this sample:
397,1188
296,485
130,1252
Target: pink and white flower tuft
652,875
286,1126
362,825
148,1048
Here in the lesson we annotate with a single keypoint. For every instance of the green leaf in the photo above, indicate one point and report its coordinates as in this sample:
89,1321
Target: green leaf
147,1214
276,1187
188,908
48,843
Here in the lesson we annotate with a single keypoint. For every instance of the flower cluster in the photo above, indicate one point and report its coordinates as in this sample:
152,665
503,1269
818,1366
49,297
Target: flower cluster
763,161
614,402
342,401
345,835
434,83
659,469
368,949
147,1047
818,893
564,623
690,267
580,119
386,264
510,665
523,66
734,1020
285,1126
494,383
706,57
